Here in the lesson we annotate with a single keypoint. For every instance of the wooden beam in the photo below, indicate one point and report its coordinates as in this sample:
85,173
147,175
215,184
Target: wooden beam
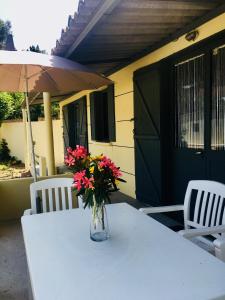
104,8
103,62
150,12
148,20
121,39
115,30
105,56
113,47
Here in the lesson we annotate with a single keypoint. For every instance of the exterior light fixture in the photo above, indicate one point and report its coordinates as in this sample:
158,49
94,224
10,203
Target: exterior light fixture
192,36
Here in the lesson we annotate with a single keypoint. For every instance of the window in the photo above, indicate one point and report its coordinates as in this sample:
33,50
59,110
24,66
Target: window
102,107
190,103
218,99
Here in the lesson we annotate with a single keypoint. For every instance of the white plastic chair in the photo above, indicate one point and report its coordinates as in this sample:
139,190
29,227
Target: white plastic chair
208,217
56,194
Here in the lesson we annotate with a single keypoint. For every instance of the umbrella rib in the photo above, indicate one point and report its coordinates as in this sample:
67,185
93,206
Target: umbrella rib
50,77
43,71
20,77
35,97
84,80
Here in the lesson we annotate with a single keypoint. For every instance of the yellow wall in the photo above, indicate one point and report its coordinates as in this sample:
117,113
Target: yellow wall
15,197
14,134
40,136
122,151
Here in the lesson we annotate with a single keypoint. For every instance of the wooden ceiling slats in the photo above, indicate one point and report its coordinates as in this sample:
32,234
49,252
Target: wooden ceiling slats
102,55
135,30
173,4
149,12
129,28
108,46
148,20
121,39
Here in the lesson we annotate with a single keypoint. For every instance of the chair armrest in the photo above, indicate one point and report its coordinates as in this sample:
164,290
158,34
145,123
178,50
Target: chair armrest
190,233
27,212
220,248
161,209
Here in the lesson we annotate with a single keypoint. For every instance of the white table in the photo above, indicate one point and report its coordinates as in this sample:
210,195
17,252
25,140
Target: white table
142,260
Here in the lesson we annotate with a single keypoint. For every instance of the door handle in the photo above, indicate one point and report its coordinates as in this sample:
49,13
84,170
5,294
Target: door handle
198,152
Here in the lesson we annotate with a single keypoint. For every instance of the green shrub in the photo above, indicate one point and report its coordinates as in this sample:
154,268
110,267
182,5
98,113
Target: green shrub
4,151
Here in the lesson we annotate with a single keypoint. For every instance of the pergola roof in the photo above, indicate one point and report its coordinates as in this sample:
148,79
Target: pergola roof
107,34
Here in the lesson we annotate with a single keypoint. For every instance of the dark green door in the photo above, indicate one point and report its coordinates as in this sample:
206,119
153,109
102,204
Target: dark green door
75,124
147,136
199,122
189,143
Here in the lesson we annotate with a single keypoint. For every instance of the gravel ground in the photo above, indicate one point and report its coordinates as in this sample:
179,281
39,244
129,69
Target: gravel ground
11,172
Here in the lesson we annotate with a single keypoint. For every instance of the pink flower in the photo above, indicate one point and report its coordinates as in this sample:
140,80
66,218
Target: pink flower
79,152
79,175
81,181
69,160
107,163
69,150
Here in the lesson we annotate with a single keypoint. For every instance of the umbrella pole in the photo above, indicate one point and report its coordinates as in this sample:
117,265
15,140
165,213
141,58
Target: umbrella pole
30,132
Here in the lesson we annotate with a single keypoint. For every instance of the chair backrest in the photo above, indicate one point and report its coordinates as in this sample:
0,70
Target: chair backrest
55,194
204,204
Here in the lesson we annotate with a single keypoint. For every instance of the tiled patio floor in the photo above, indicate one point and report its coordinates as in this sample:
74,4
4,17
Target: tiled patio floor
14,280
13,267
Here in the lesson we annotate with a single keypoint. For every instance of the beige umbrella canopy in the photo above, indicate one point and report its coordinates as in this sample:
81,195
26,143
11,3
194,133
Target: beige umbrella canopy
35,72
45,73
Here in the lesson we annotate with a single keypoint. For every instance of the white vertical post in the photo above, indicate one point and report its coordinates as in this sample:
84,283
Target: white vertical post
42,166
30,130
50,157
26,148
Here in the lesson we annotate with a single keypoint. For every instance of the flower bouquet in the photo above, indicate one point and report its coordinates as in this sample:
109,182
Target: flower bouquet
95,177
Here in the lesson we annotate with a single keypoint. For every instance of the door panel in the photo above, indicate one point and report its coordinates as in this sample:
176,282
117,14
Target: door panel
72,119
189,158
65,128
216,152
147,137
188,164
82,135
199,137
75,124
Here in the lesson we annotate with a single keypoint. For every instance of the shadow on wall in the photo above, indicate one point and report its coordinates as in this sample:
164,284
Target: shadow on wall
15,196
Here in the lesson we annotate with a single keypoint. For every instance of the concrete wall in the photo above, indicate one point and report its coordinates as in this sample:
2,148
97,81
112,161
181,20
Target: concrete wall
15,197
14,134
122,151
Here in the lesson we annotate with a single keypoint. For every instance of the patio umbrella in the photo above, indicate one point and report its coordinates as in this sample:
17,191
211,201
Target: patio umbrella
30,72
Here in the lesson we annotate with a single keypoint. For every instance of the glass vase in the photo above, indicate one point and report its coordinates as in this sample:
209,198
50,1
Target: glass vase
99,229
